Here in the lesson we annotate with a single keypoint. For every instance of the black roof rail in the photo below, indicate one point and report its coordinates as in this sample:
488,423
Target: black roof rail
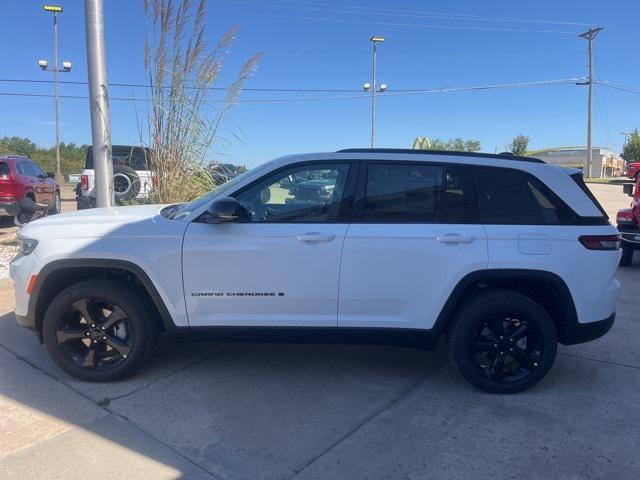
504,156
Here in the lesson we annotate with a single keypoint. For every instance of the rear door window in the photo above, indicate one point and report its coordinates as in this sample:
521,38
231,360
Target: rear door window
24,168
403,193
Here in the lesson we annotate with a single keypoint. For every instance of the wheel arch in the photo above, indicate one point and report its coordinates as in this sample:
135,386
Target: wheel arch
58,275
543,287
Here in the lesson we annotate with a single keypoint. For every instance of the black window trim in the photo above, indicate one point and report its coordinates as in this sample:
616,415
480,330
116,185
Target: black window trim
346,203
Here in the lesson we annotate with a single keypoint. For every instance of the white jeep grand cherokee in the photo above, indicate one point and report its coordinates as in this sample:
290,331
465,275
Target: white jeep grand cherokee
504,256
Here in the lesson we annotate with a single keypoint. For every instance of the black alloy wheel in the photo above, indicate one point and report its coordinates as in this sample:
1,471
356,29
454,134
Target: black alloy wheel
95,334
506,349
502,341
99,329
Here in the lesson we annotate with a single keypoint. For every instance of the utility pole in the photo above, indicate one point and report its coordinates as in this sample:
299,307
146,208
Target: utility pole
626,136
55,9
99,102
373,87
590,35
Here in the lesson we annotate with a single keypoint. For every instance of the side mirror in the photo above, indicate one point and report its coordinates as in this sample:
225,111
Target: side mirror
265,195
627,188
225,210
51,175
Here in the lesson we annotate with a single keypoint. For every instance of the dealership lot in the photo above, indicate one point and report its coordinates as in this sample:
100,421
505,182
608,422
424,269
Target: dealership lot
248,411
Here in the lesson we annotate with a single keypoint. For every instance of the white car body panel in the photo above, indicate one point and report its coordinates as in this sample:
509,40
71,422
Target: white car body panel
594,294
139,235
221,261
401,275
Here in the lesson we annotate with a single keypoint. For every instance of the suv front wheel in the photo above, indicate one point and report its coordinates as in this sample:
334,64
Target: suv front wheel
98,330
502,342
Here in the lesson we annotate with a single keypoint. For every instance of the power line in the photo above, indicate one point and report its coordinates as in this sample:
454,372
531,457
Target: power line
409,25
143,85
618,86
310,90
565,81
328,7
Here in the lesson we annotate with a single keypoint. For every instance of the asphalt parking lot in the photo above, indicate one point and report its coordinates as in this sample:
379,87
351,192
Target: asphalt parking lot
245,411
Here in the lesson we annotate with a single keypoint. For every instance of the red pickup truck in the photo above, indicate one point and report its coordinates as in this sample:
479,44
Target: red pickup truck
633,170
628,220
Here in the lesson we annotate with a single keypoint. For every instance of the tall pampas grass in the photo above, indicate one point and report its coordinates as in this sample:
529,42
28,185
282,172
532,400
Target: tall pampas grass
182,68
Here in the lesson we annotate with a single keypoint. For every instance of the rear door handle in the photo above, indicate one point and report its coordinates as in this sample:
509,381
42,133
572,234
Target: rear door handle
313,237
454,238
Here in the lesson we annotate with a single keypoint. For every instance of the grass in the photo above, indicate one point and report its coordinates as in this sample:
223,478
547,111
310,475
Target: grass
609,181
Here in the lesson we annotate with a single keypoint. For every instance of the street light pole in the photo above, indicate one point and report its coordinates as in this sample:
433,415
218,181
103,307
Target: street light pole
373,98
55,91
55,9
374,88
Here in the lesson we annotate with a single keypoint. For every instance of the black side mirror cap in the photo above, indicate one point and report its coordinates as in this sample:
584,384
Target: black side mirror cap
51,175
627,188
226,210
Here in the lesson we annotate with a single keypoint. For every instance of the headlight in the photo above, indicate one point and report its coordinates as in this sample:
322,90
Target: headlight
27,245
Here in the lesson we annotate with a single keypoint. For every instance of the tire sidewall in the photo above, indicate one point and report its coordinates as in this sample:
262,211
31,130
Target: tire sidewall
627,255
134,183
474,313
143,331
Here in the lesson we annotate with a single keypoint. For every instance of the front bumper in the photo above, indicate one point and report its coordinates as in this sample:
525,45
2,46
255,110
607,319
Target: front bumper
630,235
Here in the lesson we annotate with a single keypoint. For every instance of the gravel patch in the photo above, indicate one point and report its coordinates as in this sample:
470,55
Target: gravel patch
8,250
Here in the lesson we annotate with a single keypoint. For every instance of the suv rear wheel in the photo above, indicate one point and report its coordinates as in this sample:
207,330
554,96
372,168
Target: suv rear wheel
502,342
98,330
627,255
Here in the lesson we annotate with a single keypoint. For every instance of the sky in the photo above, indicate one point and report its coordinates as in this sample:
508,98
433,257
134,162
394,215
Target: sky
325,44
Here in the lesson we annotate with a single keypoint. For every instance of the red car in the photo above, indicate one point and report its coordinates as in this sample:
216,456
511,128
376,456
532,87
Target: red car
21,177
633,169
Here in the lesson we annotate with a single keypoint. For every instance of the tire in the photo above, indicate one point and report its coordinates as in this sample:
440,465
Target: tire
627,255
83,348
507,363
57,204
126,183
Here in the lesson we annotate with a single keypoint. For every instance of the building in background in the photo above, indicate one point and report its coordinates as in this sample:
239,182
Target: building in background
605,162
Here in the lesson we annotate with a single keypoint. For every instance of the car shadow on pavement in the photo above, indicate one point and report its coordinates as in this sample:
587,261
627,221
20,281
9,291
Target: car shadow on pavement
200,410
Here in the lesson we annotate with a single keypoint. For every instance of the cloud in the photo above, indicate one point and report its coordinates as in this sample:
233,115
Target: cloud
47,123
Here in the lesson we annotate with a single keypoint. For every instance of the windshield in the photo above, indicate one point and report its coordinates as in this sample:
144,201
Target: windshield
186,209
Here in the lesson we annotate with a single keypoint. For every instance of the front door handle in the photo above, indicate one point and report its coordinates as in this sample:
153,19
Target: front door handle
313,237
454,238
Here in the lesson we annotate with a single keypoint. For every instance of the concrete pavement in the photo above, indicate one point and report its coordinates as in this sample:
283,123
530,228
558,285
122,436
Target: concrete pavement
218,411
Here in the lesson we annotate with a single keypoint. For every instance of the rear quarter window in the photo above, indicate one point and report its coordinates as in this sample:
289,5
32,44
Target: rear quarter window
513,197
5,171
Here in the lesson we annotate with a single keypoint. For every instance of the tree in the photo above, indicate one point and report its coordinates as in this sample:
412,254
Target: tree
519,145
457,144
19,146
631,150
72,156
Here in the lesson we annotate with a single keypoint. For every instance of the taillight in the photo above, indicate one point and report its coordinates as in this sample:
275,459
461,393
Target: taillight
625,217
84,181
600,242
